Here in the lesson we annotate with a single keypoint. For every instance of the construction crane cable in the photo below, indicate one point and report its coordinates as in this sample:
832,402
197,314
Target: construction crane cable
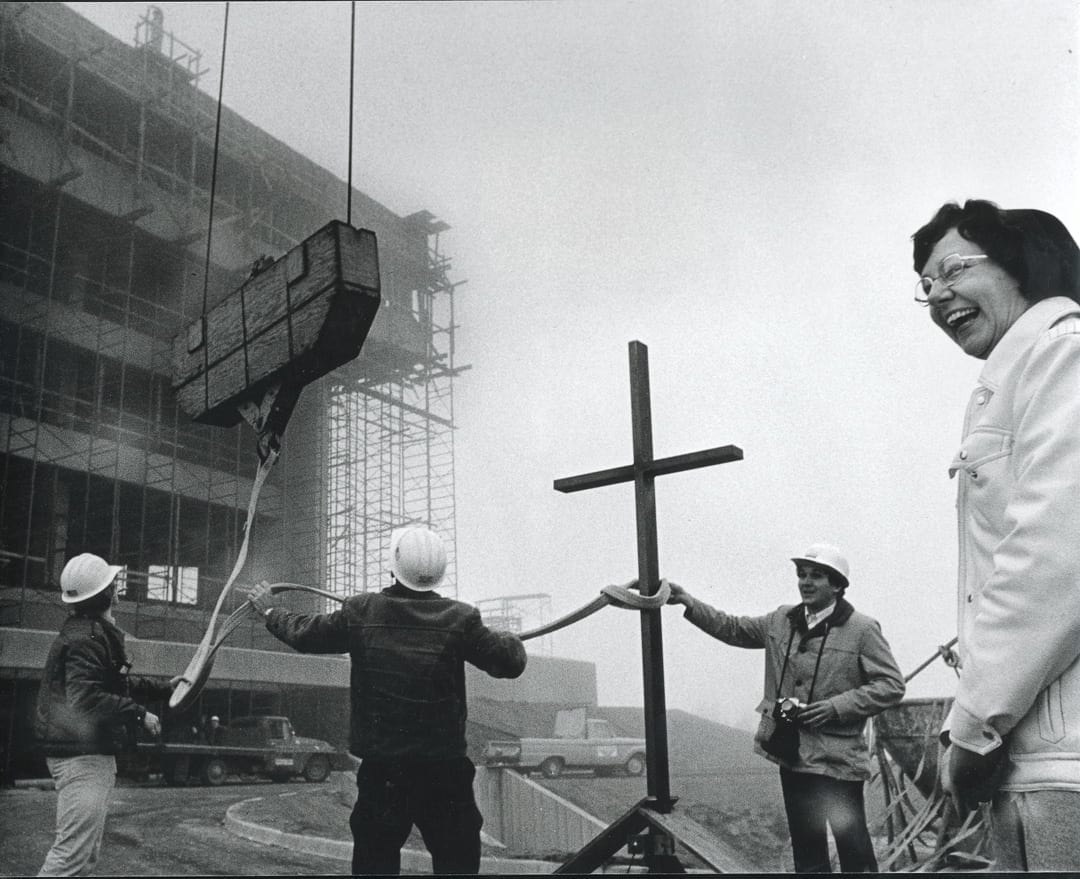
213,178
352,82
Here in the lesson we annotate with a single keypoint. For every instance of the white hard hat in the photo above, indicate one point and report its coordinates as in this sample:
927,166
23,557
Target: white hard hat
825,555
417,558
85,576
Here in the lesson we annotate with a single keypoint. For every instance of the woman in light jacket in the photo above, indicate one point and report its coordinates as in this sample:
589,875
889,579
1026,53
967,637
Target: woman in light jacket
1005,286
827,668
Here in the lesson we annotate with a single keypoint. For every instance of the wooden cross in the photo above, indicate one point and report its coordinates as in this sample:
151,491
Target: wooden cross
643,472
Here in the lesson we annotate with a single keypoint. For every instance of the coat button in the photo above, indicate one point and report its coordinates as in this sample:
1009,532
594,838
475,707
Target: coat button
798,683
980,399
971,598
963,454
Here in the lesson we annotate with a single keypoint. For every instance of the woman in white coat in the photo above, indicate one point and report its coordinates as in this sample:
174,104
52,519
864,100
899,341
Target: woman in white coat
1005,286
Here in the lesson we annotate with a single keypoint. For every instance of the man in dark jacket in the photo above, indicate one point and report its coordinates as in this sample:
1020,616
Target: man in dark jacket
827,669
85,715
408,647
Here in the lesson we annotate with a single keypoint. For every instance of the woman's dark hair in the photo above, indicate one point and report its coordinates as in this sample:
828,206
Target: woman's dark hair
95,605
836,580
1032,246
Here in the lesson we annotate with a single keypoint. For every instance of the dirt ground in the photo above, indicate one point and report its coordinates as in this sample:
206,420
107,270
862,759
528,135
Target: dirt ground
745,809
156,831
164,831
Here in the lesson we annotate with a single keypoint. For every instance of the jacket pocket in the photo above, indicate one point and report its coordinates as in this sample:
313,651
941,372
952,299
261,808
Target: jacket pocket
980,447
1051,714
984,463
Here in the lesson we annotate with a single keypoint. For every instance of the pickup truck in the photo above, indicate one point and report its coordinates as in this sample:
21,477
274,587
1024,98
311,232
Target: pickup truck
262,746
594,747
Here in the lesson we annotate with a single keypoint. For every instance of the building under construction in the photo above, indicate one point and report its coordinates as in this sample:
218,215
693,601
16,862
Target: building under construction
107,151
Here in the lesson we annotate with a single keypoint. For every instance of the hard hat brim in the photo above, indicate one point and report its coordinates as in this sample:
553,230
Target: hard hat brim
418,587
820,564
114,570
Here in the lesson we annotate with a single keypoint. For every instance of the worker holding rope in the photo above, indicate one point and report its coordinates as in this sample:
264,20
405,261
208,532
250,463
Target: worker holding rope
85,714
827,669
408,647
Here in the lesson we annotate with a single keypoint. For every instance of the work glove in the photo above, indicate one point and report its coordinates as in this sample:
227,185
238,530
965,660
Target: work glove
971,778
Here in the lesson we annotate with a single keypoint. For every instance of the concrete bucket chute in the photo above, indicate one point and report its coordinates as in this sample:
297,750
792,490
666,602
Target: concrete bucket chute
293,321
909,734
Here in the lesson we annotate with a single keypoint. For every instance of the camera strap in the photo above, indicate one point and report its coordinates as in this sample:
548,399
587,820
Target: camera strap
783,671
817,663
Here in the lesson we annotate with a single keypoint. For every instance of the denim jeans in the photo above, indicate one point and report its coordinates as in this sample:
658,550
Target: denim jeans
1036,831
83,785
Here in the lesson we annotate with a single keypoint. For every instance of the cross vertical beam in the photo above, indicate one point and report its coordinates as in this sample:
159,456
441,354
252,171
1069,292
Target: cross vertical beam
643,473
652,636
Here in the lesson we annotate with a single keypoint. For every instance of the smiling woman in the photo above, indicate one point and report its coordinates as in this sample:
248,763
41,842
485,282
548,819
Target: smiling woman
981,267
1005,286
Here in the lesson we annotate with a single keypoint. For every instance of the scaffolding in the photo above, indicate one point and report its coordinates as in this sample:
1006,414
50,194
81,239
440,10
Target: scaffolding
105,181
519,613
392,443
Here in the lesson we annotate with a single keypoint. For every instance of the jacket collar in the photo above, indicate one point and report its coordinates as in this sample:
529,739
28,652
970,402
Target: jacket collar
840,615
111,635
399,590
1020,336
78,621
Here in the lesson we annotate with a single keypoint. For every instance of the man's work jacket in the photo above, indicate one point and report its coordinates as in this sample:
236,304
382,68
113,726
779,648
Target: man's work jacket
408,650
855,673
84,704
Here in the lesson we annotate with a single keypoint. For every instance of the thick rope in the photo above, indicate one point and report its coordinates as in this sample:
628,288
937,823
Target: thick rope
195,677
198,670
237,617
617,596
947,654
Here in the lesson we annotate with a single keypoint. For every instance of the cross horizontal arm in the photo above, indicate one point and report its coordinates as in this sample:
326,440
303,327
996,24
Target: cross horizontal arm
674,464
595,480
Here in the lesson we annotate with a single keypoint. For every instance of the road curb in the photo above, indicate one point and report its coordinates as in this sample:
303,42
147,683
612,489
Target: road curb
34,784
412,861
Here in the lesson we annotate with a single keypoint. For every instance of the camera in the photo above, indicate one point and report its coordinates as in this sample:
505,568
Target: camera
788,709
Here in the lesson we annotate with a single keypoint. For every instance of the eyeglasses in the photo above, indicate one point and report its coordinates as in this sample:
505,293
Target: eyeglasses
949,271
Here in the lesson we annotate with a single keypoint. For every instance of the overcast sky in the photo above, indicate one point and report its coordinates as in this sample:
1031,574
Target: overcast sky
733,183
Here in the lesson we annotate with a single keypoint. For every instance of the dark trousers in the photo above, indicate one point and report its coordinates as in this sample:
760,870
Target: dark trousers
813,804
435,795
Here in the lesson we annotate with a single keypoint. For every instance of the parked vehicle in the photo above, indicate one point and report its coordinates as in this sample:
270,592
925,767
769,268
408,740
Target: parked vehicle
261,746
592,745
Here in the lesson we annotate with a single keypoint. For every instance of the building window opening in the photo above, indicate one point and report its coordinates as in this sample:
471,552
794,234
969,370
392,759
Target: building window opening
178,585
